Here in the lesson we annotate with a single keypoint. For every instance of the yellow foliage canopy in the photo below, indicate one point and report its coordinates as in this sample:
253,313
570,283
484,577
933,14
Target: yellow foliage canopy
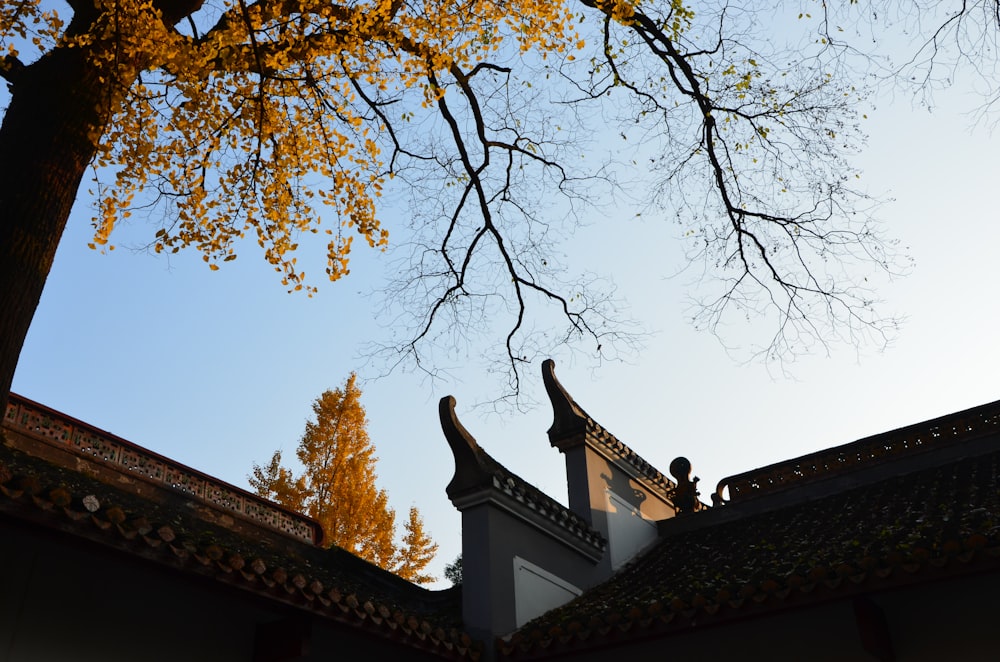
241,117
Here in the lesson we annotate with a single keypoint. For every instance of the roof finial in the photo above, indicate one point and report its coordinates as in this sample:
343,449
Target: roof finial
470,469
686,493
567,416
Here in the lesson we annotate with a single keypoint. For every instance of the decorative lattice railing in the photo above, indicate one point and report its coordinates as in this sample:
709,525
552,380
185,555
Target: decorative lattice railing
30,418
869,452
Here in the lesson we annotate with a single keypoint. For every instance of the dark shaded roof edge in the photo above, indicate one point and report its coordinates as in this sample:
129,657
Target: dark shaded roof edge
32,499
963,541
882,448
664,620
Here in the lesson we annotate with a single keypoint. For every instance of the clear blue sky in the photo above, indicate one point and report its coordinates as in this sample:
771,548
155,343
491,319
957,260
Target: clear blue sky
218,369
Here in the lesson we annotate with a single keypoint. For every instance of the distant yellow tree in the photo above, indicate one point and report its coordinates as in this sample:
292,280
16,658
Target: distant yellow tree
337,487
417,551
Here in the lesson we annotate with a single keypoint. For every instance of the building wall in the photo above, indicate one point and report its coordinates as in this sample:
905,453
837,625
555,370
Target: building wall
502,553
617,505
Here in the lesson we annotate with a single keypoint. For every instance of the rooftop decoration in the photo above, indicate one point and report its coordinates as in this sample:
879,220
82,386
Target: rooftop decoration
929,526
686,493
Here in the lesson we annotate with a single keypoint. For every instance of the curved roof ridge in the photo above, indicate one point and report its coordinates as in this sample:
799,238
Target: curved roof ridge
572,426
477,470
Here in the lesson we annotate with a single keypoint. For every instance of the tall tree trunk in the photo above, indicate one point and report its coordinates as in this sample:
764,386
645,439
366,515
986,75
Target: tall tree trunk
59,107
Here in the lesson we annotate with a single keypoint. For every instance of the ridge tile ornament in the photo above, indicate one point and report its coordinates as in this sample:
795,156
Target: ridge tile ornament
686,493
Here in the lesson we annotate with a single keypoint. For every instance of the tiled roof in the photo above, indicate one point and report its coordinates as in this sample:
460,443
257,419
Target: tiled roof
937,522
330,583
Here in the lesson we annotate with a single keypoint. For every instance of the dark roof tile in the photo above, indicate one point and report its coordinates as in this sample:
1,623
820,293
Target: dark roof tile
936,522
279,568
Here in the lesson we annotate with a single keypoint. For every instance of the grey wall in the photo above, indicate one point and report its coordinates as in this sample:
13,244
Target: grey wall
591,480
491,539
